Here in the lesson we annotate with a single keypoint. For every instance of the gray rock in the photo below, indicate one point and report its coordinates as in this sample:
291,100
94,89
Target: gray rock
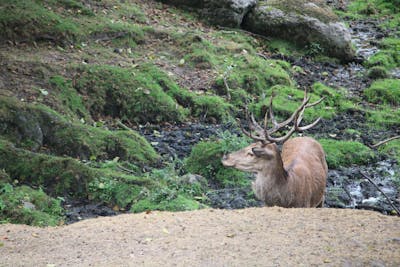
303,22
228,13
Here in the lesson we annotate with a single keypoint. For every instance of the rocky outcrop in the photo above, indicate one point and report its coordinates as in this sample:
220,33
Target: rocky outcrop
229,13
303,22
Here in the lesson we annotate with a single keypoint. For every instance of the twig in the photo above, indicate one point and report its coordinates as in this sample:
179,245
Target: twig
383,193
385,141
119,166
119,123
228,94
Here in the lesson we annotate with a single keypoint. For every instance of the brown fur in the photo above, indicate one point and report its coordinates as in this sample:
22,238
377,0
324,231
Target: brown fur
294,178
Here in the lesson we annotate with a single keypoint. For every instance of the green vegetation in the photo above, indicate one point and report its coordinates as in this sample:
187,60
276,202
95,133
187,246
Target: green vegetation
205,160
391,149
346,153
129,94
384,92
69,98
388,56
288,99
65,21
98,66
35,126
384,116
22,204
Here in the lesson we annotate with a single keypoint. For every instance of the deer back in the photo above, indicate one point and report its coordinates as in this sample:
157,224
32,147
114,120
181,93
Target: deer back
304,161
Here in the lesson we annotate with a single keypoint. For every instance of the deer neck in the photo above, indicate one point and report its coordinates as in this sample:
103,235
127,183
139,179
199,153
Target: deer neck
275,173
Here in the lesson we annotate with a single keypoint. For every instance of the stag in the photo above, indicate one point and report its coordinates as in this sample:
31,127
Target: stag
294,178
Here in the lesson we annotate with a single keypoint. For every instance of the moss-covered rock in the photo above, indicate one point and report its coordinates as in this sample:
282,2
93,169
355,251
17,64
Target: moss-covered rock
31,20
66,21
38,127
129,94
385,91
255,75
57,174
303,22
22,204
287,99
346,153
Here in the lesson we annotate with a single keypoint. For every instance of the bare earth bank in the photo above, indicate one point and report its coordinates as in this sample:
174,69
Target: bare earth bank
248,237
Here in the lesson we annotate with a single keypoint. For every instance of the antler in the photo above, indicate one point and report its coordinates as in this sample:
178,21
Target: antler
264,135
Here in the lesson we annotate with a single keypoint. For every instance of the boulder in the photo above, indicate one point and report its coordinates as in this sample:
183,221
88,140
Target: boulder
305,22
228,13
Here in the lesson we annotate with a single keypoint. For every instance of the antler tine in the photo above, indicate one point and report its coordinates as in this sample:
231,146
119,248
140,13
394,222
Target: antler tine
271,113
296,117
291,118
256,126
249,134
316,102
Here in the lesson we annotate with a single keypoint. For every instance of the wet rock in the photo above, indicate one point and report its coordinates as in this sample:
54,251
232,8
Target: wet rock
228,13
79,211
303,22
193,179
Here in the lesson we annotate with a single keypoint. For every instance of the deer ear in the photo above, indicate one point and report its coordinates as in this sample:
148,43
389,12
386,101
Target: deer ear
262,153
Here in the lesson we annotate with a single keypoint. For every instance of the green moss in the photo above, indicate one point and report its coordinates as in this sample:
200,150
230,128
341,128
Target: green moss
180,203
383,116
129,94
56,174
378,72
287,99
30,19
319,10
384,92
69,98
391,149
67,21
205,159
255,75
346,153
374,7
36,126
22,204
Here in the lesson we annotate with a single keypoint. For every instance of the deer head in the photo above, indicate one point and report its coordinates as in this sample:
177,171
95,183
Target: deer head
264,151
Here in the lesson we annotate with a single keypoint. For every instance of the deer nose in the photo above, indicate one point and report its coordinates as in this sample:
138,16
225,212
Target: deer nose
225,157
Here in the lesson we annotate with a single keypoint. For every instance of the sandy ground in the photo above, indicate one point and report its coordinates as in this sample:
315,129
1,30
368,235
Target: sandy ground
249,237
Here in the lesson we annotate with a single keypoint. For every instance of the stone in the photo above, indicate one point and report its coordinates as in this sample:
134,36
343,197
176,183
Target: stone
304,22
227,13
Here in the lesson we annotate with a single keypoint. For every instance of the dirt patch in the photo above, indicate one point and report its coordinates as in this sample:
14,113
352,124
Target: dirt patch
249,237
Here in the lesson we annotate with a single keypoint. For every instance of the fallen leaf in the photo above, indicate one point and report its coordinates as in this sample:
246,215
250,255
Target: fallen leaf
35,235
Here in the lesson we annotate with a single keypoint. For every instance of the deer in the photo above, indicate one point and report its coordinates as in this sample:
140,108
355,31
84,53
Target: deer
293,178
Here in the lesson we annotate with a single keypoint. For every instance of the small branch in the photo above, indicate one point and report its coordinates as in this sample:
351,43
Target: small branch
383,193
385,141
119,123
228,94
119,166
